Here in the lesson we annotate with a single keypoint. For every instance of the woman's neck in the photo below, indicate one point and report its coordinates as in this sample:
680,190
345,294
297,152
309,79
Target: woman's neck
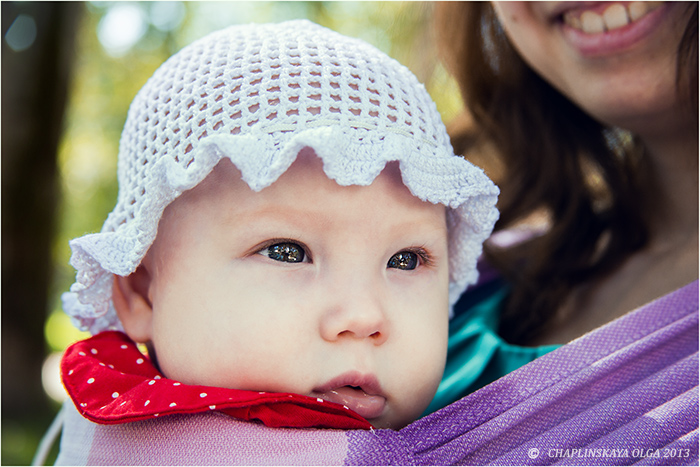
667,262
673,190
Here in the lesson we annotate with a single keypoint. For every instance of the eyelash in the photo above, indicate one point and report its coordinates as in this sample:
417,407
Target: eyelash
424,258
284,241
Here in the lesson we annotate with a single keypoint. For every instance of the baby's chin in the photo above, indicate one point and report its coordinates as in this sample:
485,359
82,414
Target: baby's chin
393,421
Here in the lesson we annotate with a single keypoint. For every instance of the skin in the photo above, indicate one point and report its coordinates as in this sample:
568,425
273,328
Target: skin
220,311
633,87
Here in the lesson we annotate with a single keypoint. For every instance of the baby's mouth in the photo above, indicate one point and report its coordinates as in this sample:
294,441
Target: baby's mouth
613,16
360,393
356,399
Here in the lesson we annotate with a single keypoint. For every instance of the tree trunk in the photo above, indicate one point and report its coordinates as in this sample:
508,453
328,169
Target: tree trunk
34,91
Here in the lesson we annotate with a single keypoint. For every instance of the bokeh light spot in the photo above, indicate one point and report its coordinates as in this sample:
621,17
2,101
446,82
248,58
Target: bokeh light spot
51,377
21,34
121,28
167,16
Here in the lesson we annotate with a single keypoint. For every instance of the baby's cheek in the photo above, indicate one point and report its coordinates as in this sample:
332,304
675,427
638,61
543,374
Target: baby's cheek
417,368
414,394
259,358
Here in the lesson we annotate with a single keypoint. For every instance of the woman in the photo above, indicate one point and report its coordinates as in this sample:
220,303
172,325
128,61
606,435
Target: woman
624,214
550,87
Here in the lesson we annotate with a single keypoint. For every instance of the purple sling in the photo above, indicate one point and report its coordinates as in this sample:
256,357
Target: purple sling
627,393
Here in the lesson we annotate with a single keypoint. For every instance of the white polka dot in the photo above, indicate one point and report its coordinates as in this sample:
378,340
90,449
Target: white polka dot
83,404
173,404
156,414
91,380
212,407
111,366
124,346
261,393
152,382
82,354
115,395
346,407
139,361
146,403
204,394
319,399
156,377
176,384
122,403
102,364
70,372
93,351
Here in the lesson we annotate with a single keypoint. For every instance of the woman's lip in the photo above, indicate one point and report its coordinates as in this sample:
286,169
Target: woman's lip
616,40
358,392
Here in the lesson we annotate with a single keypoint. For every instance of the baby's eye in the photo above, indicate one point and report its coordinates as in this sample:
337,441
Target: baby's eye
286,252
405,260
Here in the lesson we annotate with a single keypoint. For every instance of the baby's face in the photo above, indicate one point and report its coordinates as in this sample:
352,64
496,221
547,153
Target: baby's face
309,287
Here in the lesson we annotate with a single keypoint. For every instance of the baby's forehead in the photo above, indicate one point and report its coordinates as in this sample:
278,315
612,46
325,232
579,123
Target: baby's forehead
305,182
302,204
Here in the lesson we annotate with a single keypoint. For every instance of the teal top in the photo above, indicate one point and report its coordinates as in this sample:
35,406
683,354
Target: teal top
476,354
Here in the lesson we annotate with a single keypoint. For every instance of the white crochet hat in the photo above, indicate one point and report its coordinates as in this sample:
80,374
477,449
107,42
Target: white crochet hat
257,95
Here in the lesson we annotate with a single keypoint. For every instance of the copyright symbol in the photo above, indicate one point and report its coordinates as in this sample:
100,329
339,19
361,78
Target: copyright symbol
533,453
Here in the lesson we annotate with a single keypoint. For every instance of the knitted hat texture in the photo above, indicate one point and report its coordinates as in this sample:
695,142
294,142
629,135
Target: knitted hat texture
257,95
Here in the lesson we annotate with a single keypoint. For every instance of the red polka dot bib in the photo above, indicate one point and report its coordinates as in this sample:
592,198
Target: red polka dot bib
110,381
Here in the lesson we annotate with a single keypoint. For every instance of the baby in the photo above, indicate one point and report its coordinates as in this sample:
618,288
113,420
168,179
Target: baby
291,231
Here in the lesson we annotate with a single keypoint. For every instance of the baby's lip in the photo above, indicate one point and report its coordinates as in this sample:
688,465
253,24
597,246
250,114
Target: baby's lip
359,392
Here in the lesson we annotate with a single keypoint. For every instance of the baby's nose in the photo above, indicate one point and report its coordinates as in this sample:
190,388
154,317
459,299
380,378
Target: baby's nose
354,314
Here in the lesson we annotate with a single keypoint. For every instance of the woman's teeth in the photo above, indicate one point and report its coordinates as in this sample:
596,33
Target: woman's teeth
615,16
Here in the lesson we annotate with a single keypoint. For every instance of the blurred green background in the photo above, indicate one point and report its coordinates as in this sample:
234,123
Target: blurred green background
69,73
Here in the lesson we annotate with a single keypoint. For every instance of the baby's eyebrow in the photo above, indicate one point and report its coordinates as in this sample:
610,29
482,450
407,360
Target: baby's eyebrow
287,214
299,218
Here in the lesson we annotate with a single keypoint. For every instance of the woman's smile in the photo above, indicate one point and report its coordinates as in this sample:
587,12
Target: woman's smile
607,17
604,28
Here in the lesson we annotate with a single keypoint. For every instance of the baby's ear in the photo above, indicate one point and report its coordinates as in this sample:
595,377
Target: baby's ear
133,305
